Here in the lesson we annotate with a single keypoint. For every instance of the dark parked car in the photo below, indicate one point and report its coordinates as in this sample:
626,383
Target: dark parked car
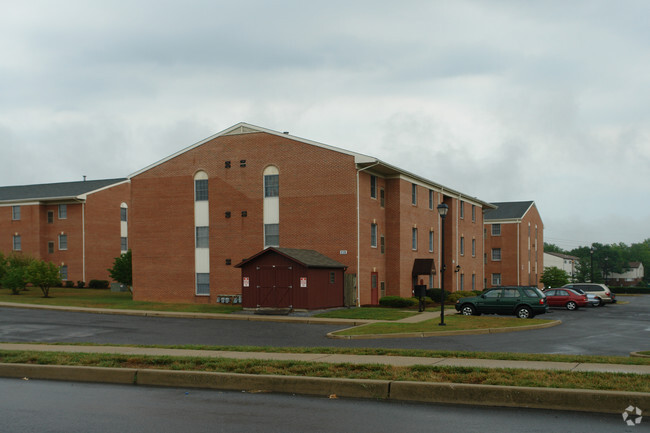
522,301
570,299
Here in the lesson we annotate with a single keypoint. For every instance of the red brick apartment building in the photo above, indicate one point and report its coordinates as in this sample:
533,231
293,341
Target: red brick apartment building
204,209
514,244
79,226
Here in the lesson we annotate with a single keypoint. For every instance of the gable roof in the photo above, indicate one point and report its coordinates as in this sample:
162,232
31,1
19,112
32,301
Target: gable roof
364,162
562,256
307,258
55,191
508,210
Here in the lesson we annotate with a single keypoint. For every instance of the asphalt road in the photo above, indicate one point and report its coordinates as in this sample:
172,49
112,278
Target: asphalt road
610,330
47,406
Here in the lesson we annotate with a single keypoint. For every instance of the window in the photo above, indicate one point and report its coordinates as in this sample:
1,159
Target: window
123,213
373,235
496,254
50,247
462,282
414,194
382,197
473,247
496,279
50,217
272,235
473,282
496,229
382,243
15,213
373,186
63,211
124,243
203,283
63,271
510,293
462,246
332,277
473,213
430,199
63,242
430,240
271,185
414,238
17,243
200,189
203,237
462,209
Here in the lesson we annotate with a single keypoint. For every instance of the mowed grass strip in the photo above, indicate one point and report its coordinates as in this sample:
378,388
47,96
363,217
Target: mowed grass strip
367,313
483,376
454,322
97,298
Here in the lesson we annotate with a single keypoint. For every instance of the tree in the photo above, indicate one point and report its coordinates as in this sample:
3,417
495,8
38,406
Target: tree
15,275
121,270
551,248
44,275
554,277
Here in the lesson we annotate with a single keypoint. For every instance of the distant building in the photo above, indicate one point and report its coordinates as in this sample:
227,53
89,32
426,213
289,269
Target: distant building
514,244
633,276
79,226
562,261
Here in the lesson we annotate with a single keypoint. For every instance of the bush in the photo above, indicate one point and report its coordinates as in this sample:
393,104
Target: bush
436,295
98,284
453,297
396,302
69,284
80,284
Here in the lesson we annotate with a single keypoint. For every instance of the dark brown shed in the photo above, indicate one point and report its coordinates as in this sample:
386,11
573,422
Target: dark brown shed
291,278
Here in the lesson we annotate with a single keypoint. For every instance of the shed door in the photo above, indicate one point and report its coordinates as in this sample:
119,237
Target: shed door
275,286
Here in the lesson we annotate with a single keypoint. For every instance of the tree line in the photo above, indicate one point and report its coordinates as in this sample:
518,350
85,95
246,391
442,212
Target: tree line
597,262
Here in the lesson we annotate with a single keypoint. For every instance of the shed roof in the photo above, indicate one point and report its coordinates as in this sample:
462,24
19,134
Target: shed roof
307,258
54,191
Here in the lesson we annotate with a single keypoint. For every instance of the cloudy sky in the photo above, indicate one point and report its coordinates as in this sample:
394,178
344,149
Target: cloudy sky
505,100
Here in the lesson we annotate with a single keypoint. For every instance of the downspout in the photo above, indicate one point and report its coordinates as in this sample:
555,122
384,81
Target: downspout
83,241
359,234
518,255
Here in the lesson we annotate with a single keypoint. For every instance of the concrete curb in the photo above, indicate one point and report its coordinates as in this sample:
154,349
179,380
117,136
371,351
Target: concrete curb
422,392
334,334
639,355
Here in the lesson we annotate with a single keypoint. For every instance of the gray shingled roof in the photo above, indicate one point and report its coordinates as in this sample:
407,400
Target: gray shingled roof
508,210
53,190
308,258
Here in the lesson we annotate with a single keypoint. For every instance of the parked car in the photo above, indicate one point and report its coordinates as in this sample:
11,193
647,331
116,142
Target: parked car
568,298
523,301
592,300
601,291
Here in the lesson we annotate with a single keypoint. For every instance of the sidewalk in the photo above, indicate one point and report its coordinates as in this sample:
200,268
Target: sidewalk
398,361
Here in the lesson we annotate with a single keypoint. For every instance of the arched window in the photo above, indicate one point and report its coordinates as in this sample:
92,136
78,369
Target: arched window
271,207
202,234
124,228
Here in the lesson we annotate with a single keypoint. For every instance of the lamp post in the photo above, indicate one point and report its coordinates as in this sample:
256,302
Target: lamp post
591,252
442,210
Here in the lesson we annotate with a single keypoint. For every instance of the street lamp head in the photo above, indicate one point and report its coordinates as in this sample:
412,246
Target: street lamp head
443,209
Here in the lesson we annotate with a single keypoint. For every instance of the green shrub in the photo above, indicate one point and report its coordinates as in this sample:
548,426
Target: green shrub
80,284
436,294
69,284
630,290
98,284
453,297
397,302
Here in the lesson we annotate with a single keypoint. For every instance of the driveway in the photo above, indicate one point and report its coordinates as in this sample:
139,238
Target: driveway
610,330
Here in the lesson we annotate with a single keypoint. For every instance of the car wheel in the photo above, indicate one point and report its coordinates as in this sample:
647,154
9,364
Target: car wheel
571,306
600,303
468,310
525,313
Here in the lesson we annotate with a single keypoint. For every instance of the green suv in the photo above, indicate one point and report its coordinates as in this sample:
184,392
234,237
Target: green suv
522,301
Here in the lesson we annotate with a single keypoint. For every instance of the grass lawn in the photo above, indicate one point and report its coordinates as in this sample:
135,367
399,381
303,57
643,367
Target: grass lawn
453,323
368,313
508,377
95,298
